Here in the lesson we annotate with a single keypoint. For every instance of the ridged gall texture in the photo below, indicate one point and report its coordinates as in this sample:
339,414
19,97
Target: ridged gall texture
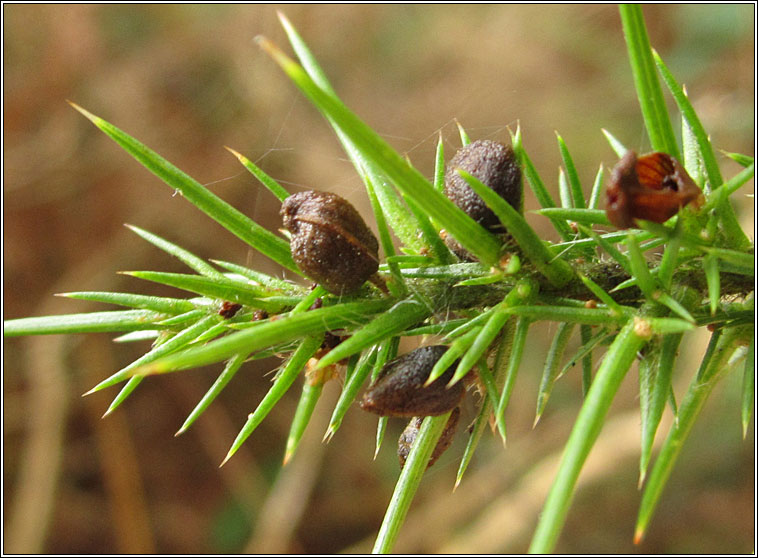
399,390
411,432
653,187
496,166
330,242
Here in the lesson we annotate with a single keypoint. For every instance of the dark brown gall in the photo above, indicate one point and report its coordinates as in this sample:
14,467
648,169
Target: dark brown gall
653,187
496,166
411,432
330,241
399,390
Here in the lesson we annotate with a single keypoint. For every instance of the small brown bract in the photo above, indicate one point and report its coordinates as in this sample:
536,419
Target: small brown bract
259,315
330,241
496,166
229,309
399,390
653,187
411,431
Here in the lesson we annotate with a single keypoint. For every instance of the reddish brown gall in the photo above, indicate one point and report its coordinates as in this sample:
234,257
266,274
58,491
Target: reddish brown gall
330,241
653,187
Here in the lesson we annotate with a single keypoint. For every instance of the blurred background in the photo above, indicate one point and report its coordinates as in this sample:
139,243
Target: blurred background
188,80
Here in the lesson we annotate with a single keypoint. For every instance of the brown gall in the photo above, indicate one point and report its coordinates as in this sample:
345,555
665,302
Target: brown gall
399,390
330,241
496,166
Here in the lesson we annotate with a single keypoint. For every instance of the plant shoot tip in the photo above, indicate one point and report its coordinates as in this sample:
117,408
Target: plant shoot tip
84,111
263,42
638,534
234,152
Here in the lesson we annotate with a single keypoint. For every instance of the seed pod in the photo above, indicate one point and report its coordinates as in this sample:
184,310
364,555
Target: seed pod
399,390
411,431
330,241
496,166
653,187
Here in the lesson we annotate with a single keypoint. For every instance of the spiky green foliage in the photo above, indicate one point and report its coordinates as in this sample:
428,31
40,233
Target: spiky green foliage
624,299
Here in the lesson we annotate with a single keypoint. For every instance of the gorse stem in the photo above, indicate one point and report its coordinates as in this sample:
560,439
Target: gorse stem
478,288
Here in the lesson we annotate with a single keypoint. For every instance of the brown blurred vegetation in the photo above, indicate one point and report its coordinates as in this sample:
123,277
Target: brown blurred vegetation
187,80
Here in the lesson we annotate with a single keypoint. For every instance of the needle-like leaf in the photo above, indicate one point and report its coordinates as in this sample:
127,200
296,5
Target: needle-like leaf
185,256
156,303
748,388
617,361
388,324
552,367
646,82
272,185
712,369
119,320
572,176
470,234
266,334
556,270
305,407
283,381
407,484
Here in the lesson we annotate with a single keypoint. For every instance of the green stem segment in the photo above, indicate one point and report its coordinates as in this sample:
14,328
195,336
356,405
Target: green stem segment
407,484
